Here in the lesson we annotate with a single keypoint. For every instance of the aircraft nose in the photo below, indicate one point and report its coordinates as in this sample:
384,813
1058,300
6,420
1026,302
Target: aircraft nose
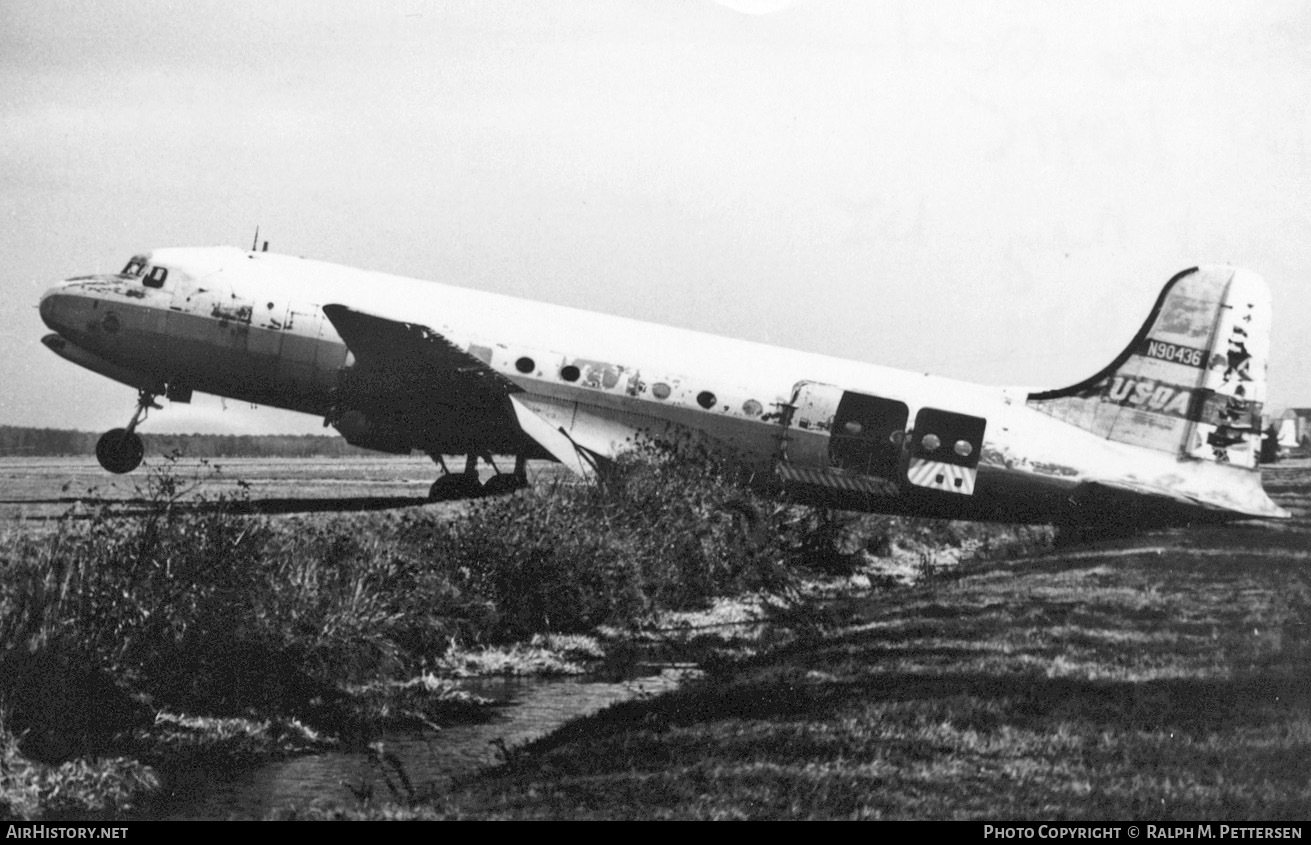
57,307
50,307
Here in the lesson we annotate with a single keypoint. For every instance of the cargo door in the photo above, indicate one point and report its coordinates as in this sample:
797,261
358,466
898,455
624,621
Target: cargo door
841,439
868,432
945,449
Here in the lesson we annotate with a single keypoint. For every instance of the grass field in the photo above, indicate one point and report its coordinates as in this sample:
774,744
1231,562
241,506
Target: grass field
1166,677
294,599
34,490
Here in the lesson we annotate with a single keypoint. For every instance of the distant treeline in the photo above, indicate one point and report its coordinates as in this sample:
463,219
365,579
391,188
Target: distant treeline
17,441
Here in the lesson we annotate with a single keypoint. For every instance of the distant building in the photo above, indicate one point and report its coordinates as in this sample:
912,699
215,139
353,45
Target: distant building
1301,419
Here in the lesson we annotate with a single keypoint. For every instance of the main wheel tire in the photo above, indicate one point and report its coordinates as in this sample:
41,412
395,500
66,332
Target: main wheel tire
119,450
457,485
499,485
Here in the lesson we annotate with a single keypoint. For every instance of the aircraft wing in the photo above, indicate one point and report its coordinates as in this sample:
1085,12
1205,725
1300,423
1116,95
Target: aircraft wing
400,357
411,369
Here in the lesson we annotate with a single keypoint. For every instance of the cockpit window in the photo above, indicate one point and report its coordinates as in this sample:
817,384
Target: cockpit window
155,278
135,267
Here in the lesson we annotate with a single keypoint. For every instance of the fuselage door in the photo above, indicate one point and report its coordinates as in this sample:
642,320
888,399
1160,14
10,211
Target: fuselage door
806,420
945,449
844,440
868,432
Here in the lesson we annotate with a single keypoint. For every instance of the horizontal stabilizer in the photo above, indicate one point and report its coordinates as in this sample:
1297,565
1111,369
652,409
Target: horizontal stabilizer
1245,499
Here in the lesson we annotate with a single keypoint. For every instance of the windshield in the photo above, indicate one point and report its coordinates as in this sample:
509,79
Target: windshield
152,276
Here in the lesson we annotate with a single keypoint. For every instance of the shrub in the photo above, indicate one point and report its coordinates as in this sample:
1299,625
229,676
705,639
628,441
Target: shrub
659,531
199,605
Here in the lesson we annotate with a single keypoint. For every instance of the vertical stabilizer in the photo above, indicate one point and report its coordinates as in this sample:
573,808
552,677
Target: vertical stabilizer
1192,382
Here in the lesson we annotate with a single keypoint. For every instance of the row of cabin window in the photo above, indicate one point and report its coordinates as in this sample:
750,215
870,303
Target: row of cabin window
570,373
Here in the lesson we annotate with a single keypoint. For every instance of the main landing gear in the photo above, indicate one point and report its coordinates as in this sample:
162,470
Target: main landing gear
120,450
465,485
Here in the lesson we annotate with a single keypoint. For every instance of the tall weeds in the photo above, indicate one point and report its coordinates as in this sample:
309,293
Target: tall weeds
195,605
658,532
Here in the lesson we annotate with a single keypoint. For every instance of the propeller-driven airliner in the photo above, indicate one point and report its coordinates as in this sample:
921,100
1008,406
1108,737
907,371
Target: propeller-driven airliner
1169,431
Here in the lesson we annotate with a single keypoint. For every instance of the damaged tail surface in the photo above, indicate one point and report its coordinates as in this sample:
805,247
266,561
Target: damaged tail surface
1192,383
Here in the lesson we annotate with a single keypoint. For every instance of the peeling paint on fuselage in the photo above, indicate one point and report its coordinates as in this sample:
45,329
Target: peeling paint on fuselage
201,338
633,376
237,313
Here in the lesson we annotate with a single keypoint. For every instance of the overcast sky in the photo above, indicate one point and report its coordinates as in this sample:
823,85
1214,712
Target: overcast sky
989,191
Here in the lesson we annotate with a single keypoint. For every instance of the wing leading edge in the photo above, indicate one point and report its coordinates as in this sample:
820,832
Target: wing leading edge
419,385
396,355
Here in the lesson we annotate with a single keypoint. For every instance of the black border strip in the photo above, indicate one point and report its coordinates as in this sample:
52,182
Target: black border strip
1109,369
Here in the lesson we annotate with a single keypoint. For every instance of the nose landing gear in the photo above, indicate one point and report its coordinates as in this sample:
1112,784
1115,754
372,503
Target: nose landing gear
120,450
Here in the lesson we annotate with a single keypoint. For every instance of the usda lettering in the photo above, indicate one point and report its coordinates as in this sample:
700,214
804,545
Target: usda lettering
1046,831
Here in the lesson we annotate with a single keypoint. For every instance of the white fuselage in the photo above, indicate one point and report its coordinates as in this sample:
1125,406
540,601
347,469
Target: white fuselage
250,325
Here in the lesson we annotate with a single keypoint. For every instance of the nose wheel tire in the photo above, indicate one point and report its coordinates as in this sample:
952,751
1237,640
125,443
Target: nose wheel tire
119,450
